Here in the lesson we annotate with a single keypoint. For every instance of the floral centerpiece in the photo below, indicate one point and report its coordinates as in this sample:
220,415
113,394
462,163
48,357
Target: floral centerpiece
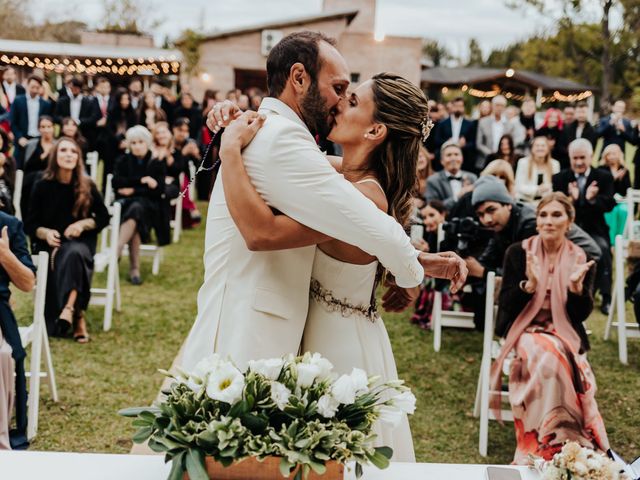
294,409
575,462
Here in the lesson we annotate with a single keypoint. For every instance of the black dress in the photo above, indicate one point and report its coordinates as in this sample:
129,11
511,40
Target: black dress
622,185
178,166
148,207
71,265
34,165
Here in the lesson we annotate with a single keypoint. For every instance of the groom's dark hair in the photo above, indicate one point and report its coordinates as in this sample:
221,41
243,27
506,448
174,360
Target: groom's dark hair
299,47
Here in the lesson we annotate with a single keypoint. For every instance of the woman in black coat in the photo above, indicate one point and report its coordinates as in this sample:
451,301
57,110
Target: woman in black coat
67,213
139,184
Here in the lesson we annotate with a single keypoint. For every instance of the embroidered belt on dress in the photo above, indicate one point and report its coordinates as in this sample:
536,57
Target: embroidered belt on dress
333,304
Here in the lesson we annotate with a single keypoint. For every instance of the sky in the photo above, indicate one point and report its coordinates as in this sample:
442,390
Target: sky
452,22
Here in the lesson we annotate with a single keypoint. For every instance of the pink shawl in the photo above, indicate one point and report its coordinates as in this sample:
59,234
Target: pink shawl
568,256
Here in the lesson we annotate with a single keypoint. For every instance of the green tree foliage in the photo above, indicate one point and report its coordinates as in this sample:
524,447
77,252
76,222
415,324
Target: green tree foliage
475,53
436,52
128,16
189,44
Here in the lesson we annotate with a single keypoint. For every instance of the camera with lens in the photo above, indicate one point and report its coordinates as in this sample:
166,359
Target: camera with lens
463,236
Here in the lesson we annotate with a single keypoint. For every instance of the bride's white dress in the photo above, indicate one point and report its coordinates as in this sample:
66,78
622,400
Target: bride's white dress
342,327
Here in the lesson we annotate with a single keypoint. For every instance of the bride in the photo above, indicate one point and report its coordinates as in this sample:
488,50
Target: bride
380,128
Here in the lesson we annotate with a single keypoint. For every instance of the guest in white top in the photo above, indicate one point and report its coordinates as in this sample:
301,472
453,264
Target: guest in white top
533,173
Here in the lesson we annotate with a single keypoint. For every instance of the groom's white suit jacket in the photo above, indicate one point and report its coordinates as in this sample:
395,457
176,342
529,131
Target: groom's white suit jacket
253,305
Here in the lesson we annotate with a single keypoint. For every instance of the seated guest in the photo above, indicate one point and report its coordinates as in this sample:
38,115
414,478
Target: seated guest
423,171
7,175
506,151
533,175
528,118
591,191
188,149
449,184
36,159
502,170
552,128
457,129
163,150
613,162
188,108
545,297
121,118
69,128
67,213
15,267
149,113
581,128
139,184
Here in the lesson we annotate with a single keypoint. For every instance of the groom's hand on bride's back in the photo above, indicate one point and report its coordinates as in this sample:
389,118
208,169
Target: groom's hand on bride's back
222,114
446,265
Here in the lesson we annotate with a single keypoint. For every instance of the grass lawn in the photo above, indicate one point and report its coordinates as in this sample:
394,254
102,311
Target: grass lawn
118,369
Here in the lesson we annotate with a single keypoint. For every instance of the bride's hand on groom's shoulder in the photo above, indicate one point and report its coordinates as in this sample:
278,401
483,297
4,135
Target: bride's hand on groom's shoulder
222,114
446,265
240,132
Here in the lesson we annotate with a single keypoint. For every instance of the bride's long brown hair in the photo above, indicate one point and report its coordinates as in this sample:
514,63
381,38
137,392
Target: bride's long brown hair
80,181
402,108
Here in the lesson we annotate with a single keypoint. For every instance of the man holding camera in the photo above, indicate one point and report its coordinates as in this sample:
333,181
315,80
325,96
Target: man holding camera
510,222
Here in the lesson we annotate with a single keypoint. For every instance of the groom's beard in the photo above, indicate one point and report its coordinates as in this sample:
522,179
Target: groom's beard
315,113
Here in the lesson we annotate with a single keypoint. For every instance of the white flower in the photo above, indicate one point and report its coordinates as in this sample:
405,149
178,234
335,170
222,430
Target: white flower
360,380
307,373
552,473
323,364
390,415
405,401
206,366
225,384
270,368
280,394
327,406
344,390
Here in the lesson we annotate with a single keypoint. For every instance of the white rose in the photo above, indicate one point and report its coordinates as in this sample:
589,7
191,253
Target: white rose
280,394
225,384
360,380
405,401
323,364
307,373
552,473
343,390
327,406
270,368
390,415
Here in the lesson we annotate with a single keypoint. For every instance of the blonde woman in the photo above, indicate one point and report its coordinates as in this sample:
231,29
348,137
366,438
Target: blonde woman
502,170
533,173
613,162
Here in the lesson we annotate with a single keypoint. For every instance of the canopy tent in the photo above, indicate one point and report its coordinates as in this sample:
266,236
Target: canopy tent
514,84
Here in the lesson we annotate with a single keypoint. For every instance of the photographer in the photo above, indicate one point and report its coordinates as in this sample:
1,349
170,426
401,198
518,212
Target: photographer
510,222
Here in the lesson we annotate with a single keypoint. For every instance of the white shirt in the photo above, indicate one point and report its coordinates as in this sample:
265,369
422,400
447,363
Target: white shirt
159,101
497,130
456,185
74,107
579,130
527,187
33,112
10,90
456,126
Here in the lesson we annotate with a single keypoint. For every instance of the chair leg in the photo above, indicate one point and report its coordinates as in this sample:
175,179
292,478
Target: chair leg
484,409
612,311
34,386
155,269
436,319
476,405
118,298
48,365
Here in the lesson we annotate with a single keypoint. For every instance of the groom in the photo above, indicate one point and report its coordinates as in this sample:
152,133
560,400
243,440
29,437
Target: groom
253,305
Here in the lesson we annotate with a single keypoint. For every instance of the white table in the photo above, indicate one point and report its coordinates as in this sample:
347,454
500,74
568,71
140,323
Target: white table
92,466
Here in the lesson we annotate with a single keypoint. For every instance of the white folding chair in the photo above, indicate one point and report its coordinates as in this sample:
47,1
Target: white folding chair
490,350
36,336
176,223
446,318
92,164
107,259
17,194
153,251
192,175
618,308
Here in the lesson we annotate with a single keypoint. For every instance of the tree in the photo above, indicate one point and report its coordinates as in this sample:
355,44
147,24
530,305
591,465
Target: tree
15,21
128,16
475,53
189,44
436,52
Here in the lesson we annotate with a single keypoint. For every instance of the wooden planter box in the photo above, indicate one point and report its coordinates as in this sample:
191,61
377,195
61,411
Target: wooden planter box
268,469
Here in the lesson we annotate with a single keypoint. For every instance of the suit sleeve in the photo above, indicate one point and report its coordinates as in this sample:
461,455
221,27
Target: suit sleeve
480,141
604,200
300,182
16,120
18,243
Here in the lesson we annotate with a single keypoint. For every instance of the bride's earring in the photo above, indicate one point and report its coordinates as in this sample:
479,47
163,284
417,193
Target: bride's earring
366,135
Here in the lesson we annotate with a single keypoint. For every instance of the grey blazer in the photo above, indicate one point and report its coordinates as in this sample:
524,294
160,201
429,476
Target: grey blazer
438,187
484,139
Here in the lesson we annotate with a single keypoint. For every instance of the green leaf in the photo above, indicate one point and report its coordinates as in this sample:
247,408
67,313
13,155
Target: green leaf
319,468
386,451
195,465
177,468
156,446
285,467
379,460
142,434
141,422
136,411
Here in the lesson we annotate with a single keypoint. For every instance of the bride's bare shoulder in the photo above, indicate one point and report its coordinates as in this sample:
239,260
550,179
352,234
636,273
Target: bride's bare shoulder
373,191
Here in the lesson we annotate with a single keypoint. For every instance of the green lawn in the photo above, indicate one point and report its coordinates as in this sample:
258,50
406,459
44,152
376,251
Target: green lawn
118,369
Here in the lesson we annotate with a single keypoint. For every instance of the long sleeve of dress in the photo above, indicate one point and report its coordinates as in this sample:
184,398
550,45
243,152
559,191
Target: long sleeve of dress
512,299
99,211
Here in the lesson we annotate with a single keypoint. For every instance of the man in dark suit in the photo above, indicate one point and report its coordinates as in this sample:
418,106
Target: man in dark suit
581,128
461,131
65,90
84,110
163,99
591,191
615,128
451,183
25,112
10,87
